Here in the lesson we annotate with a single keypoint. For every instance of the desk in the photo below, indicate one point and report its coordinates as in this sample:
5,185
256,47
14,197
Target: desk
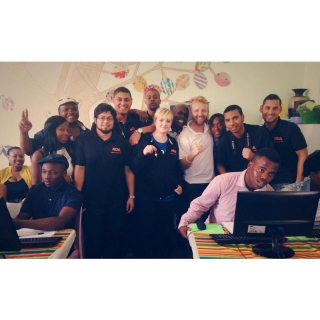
59,251
203,247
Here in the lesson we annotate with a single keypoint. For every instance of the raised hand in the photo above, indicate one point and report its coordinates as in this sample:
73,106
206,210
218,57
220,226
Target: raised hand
149,149
196,149
24,125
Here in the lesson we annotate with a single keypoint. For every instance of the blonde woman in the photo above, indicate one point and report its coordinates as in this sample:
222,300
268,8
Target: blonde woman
158,182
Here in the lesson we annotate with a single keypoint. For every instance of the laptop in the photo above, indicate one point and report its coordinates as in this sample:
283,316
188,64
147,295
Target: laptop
9,239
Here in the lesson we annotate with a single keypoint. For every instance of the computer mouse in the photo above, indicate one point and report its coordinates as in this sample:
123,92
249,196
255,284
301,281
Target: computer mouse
201,225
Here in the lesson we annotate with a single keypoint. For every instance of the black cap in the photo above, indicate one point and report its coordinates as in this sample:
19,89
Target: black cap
55,158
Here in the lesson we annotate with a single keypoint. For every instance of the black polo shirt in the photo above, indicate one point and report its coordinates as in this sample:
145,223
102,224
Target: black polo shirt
104,161
287,138
230,148
127,129
43,202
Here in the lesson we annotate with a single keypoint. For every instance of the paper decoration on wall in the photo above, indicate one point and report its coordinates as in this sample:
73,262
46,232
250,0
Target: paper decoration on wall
4,150
222,79
152,86
200,80
167,86
109,96
120,72
182,82
139,83
7,103
202,66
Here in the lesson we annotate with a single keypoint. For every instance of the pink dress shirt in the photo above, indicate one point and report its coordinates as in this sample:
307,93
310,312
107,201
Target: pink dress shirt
220,196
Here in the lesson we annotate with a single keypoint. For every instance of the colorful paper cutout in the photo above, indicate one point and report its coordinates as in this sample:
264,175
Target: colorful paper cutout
182,82
7,103
167,86
120,72
152,86
200,80
222,79
202,66
139,83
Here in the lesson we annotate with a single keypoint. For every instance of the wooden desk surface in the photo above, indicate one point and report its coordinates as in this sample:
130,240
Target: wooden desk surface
59,251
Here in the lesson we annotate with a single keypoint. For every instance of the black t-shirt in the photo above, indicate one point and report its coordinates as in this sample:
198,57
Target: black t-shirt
126,130
230,148
104,161
287,138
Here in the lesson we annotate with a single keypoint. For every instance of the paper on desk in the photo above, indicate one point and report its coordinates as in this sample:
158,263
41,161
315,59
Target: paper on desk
214,228
31,233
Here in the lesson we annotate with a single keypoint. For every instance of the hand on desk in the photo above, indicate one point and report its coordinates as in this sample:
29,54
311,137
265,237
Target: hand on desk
184,231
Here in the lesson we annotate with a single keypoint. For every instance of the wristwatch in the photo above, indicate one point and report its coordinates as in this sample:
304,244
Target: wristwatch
140,131
131,197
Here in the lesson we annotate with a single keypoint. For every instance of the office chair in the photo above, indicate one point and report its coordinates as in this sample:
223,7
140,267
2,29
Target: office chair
78,252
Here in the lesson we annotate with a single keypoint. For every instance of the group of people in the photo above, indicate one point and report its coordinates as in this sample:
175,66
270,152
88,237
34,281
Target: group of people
139,175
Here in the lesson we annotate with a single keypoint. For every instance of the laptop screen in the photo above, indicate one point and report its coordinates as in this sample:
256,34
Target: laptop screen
9,239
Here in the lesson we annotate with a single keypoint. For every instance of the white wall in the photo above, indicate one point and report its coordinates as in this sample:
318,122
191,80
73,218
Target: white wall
37,87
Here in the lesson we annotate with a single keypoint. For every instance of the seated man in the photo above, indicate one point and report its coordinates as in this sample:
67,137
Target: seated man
52,204
221,193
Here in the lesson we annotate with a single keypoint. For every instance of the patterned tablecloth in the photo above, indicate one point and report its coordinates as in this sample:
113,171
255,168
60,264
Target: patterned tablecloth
60,250
203,247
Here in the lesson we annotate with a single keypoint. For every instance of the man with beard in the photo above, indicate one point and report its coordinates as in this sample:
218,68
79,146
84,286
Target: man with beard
196,153
152,100
287,139
239,144
102,173
221,194
180,119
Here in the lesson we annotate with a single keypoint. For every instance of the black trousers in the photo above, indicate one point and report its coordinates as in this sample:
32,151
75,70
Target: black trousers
154,229
103,229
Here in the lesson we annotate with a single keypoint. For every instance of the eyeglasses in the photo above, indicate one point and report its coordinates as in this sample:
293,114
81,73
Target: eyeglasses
109,119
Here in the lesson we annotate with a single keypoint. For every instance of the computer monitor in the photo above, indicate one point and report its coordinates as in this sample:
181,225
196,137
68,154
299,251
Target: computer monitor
275,214
9,239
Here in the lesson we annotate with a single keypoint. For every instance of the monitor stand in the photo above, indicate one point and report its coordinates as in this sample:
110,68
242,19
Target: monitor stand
273,250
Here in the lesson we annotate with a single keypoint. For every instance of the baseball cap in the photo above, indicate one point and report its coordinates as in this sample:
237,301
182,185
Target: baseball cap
67,100
55,158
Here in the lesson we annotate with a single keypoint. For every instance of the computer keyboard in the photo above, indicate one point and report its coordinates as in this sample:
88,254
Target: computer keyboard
315,233
231,239
39,241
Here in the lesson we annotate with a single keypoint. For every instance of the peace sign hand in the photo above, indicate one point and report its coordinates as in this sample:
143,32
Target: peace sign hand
25,125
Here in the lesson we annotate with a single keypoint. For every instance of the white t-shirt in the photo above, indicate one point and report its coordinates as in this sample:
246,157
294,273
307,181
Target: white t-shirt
65,153
201,169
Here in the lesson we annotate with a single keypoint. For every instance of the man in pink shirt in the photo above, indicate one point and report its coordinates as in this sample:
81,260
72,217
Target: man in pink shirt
221,193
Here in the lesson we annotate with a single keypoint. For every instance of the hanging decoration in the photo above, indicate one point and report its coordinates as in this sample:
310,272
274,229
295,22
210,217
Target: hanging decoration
222,79
109,96
182,82
139,83
200,80
120,72
152,86
7,103
167,86
202,66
